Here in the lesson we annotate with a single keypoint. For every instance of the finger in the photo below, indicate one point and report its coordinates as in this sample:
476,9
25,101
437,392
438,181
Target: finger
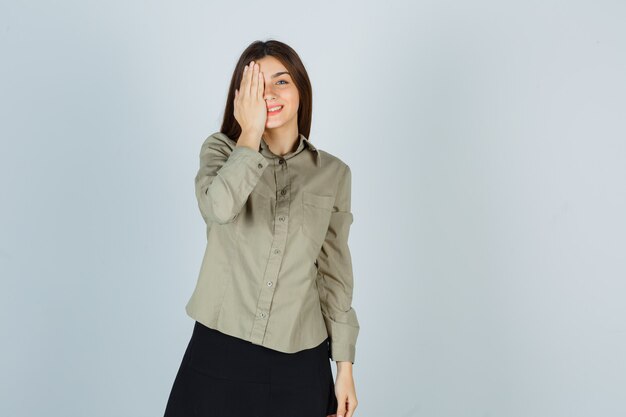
352,404
255,81
244,80
249,78
261,85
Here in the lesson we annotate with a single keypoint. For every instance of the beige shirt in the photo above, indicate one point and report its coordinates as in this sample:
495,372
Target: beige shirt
277,269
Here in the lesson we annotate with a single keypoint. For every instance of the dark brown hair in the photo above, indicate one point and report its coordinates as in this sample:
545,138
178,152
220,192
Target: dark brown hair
290,59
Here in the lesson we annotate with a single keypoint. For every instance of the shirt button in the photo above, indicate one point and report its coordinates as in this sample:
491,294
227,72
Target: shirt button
262,314
283,191
281,218
281,161
269,283
260,165
276,250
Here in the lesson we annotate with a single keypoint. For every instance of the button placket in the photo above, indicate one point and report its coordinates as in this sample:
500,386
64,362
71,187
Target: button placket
279,242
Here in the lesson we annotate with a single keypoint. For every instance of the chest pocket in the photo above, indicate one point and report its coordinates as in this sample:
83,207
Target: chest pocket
316,210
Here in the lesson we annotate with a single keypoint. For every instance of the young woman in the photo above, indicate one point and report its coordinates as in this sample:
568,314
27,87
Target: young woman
273,298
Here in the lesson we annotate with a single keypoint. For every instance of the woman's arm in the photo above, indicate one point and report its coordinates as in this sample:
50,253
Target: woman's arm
225,179
335,283
335,287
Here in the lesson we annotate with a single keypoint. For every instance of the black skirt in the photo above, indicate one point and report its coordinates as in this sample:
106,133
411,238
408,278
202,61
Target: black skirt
225,376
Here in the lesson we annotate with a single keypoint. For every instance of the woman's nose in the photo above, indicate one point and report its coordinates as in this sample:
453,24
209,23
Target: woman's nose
269,93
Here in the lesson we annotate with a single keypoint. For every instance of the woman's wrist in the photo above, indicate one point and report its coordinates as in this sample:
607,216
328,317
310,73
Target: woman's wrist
250,136
344,367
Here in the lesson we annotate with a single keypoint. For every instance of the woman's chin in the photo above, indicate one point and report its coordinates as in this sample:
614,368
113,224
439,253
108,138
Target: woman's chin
273,124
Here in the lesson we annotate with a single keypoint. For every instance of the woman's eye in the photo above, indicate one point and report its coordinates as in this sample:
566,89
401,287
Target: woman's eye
282,81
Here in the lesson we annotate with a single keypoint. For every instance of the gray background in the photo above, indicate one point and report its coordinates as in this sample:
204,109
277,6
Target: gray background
487,144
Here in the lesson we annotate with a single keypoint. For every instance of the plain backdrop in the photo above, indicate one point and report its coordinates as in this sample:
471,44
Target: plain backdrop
487,141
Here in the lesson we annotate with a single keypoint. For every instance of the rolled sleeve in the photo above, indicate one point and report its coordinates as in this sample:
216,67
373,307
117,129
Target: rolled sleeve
225,179
335,277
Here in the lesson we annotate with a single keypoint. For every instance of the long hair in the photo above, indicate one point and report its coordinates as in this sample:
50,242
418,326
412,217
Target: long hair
290,59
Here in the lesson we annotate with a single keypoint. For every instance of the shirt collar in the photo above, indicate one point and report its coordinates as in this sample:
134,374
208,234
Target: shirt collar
303,143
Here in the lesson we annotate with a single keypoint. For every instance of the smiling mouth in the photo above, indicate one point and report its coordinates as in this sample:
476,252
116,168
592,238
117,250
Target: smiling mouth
275,110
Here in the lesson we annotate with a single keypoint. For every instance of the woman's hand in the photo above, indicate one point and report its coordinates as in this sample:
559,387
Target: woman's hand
250,108
346,395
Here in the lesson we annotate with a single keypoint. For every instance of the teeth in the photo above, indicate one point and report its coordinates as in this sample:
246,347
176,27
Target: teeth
275,108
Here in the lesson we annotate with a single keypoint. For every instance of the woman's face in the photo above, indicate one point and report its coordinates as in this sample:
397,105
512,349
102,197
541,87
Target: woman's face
279,91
